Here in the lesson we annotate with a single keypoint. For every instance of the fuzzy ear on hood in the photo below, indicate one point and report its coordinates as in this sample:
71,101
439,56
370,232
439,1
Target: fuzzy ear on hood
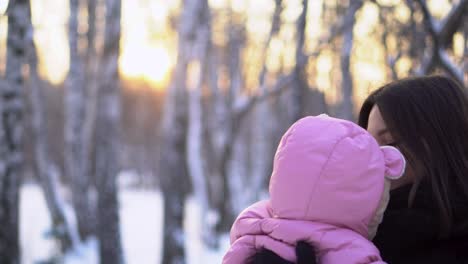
395,162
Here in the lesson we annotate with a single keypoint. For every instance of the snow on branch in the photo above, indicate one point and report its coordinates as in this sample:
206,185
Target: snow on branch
245,104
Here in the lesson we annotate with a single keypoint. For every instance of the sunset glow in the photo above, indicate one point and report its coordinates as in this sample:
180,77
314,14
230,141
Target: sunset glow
151,63
149,41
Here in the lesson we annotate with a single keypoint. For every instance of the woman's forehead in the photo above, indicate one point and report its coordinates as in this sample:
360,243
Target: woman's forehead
376,123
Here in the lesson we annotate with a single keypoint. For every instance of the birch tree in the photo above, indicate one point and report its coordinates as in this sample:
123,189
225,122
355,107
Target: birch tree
389,24
107,137
92,61
173,178
90,101
175,158
46,170
11,131
347,106
74,122
261,146
198,43
300,86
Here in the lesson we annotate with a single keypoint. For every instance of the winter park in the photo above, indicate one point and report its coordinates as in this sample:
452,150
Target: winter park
138,131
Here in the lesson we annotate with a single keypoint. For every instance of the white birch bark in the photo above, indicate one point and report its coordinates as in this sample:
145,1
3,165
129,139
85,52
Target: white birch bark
198,46
46,170
347,105
74,122
11,131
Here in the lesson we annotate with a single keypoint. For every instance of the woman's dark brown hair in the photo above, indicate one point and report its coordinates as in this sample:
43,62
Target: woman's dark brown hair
428,118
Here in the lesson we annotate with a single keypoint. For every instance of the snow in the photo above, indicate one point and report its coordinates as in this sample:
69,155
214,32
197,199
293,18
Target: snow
86,253
141,225
196,252
34,222
141,212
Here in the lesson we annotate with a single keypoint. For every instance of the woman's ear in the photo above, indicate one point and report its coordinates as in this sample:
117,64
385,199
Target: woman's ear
395,162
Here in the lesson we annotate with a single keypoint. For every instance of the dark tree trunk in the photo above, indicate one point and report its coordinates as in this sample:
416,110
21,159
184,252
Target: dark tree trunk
174,176
346,110
107,136
300,85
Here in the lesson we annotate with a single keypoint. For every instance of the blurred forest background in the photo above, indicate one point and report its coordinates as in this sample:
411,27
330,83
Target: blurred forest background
134,131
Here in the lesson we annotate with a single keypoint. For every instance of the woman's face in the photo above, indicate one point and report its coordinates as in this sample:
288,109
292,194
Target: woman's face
377,128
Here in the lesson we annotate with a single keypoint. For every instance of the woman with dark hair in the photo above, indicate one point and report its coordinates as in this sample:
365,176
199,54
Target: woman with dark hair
427,217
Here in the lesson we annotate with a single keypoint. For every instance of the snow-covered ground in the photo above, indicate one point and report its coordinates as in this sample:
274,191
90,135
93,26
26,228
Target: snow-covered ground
141,229
196,253
34,222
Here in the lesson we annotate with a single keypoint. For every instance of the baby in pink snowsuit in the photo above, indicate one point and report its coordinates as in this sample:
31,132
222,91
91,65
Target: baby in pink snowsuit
329,187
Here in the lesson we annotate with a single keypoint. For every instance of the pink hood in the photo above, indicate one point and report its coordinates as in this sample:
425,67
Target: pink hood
327,182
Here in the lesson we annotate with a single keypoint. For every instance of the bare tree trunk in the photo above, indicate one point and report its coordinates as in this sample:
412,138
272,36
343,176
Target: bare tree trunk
91,83
195,157
74,121
262,130
465,50
347,106
391,60
91,95
174,177
222,139
11,131
181,148
47,172
107,135
300,86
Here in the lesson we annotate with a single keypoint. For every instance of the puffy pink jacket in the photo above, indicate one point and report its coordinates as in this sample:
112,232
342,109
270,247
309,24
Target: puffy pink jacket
327,182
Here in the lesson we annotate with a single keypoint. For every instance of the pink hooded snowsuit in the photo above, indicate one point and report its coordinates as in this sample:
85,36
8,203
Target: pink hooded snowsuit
327,182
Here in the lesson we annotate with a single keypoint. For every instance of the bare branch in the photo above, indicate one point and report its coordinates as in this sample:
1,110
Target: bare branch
242,107
452,21
392,60
429,21
449,66
441,35
427,65
275,26
325,41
